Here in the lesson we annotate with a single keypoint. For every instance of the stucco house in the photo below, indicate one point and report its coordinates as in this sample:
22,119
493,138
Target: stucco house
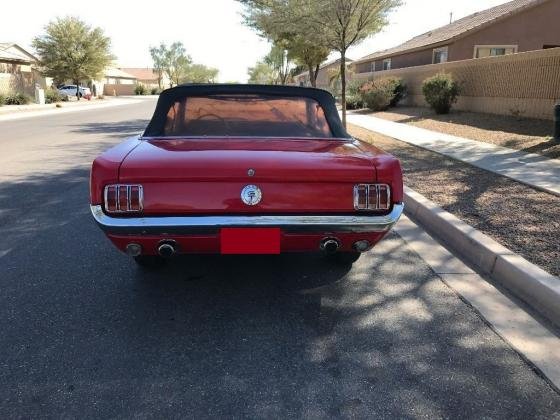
147,76
17,72
114,76
516,26
324,76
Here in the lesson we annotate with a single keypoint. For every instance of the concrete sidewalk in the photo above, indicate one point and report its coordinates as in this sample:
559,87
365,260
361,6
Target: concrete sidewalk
529,168
14,112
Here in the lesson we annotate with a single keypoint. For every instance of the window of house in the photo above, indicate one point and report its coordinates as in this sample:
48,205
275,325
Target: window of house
481,51
440,55
387,64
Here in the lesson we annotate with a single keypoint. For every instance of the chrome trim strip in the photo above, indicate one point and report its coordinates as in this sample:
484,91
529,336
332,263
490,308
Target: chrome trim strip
288,223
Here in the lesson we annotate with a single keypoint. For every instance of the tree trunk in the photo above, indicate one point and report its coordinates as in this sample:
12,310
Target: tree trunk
343,85
77,83
316,74
312,76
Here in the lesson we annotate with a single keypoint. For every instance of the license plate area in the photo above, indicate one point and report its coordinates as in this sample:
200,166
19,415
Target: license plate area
250,240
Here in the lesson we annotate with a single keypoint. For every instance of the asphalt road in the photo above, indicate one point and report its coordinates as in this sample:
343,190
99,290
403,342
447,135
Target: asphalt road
84,333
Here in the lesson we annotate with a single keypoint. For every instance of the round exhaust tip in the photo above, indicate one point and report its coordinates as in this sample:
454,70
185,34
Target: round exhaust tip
361,246
329,245
134,249
167,249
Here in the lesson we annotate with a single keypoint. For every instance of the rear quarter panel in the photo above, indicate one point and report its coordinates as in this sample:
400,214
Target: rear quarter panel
388,169
105,168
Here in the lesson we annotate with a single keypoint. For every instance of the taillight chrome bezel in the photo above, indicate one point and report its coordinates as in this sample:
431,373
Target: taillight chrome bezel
372,190
118,206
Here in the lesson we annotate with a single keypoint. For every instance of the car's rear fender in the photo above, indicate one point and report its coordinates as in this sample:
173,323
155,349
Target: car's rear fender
105,169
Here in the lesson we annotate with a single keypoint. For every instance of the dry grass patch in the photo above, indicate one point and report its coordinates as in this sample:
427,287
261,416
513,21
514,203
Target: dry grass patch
521,218
526,134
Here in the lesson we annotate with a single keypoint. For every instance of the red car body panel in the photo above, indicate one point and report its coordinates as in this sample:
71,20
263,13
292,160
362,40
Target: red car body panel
210,243
205,176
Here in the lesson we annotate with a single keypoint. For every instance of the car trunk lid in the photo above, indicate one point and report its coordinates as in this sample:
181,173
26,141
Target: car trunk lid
207,175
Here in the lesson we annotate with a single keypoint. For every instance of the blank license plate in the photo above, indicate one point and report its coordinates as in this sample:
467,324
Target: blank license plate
250,240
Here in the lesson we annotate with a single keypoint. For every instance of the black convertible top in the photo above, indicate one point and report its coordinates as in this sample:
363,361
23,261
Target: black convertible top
169,96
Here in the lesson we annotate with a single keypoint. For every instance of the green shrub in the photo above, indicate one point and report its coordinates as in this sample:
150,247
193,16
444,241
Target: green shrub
139,90
399,90
100,96
2,100
17,99
154,91
377,94
353,87
441,92
353,97
52,96
354,101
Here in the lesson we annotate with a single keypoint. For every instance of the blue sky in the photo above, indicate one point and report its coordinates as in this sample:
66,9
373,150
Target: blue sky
210,29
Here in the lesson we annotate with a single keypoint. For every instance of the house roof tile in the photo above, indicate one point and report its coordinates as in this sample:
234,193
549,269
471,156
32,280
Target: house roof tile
118,73
13,52
141,73
456,29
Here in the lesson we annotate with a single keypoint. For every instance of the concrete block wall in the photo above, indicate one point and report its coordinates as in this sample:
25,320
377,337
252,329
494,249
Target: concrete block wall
525,84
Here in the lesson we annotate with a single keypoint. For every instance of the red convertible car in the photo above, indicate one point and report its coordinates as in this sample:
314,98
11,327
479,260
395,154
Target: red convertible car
245,169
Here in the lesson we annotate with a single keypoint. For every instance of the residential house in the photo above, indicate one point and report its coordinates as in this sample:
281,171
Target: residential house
148,77
114,76
517,26
118,82
327,75
17,71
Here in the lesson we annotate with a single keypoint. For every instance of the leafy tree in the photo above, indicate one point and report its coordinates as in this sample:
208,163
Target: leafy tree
334,24
308,54
262,74
72,50
268,18
176,63
199,73
279,61
344,23
158,59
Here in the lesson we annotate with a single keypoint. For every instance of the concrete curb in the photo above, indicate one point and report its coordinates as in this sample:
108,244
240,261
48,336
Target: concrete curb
539,289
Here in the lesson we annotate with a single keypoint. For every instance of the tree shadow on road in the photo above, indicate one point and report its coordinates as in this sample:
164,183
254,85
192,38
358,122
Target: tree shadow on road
113,129
86,333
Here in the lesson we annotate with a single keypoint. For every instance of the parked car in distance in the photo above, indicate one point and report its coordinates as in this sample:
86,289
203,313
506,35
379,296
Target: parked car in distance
70,91
245,169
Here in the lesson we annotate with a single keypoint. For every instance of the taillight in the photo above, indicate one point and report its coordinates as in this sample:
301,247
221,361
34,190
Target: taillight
123,198
372,197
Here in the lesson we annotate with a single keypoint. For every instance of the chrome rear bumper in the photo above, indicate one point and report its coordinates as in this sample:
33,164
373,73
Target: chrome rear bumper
288,223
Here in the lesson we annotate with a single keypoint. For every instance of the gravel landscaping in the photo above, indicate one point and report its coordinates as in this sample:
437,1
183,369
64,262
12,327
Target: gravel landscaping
523,219
529,135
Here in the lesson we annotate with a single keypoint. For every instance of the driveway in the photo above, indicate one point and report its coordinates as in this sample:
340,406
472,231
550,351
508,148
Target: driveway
84,333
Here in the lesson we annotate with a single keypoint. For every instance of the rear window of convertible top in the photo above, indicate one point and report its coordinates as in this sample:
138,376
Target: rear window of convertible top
246,115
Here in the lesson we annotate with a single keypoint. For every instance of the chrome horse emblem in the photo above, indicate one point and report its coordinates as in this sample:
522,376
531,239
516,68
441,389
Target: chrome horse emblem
251,195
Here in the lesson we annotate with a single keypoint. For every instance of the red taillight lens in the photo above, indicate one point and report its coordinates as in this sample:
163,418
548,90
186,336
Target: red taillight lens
372,197
111,198
123,198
